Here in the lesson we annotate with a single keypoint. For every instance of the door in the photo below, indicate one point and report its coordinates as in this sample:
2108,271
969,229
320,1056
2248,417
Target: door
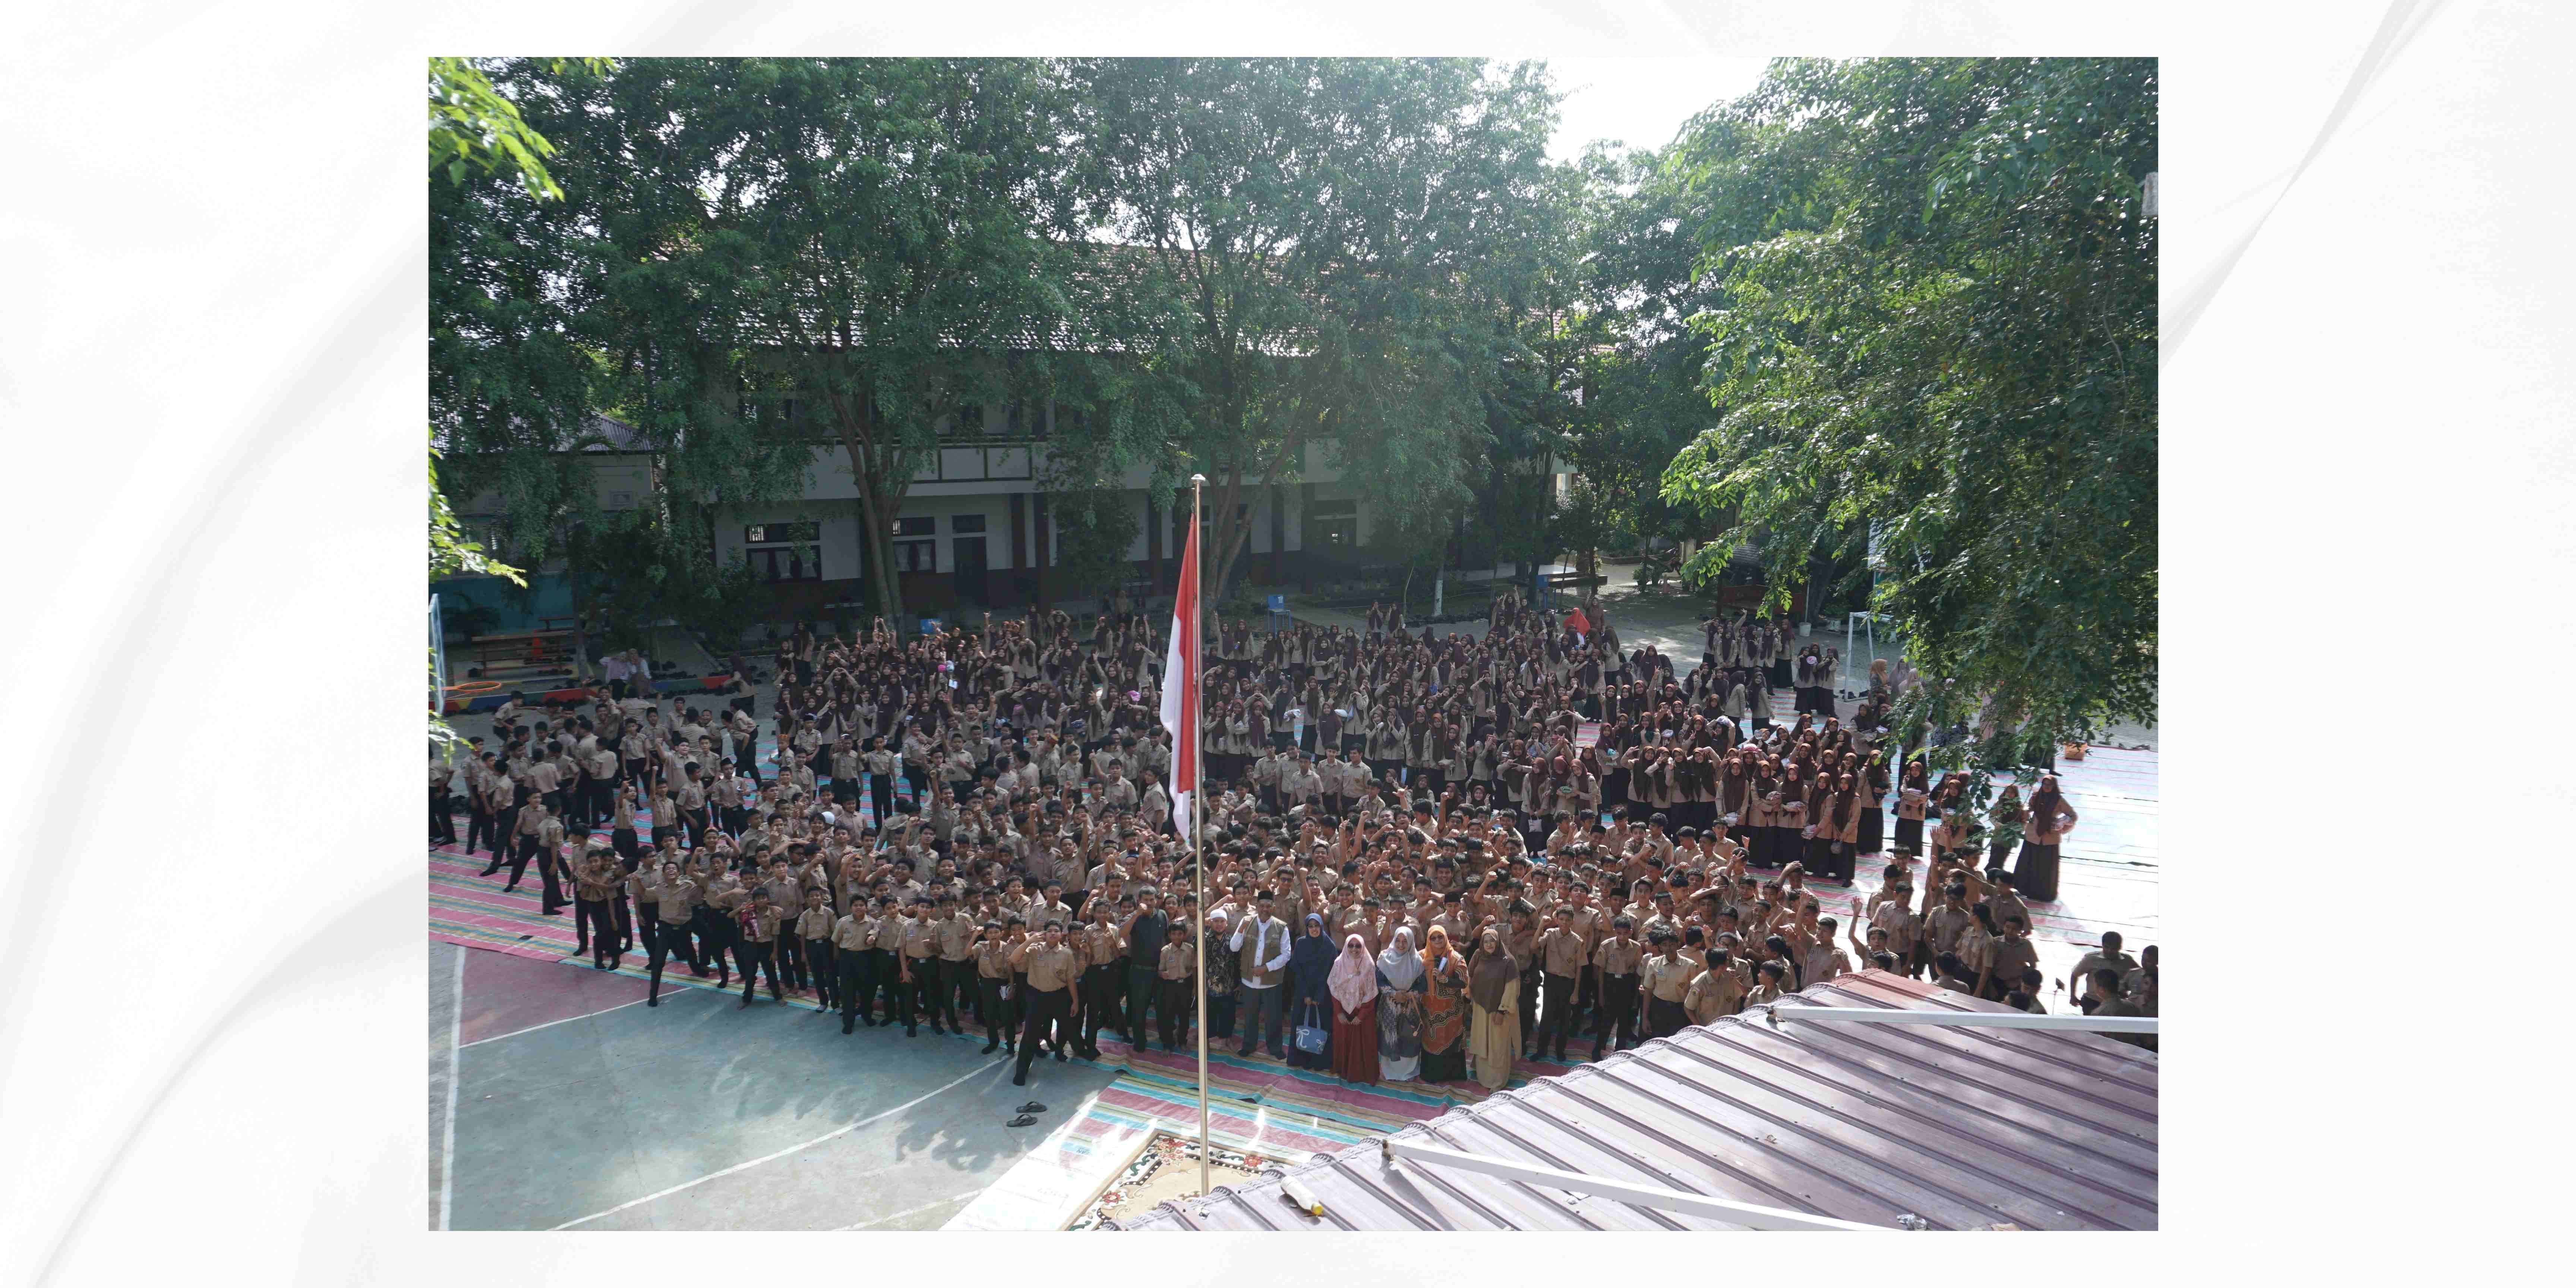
970,570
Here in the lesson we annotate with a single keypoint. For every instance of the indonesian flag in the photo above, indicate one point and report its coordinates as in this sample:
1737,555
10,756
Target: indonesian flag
1181,686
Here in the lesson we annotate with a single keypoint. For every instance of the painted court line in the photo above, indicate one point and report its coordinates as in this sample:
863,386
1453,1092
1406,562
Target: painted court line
447,1148
767,1158
565,1020
866,1225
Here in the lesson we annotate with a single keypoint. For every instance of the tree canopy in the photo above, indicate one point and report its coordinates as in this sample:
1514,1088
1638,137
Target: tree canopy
1936,324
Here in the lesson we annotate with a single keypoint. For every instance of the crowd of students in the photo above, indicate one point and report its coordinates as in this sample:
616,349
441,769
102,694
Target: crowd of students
1426,857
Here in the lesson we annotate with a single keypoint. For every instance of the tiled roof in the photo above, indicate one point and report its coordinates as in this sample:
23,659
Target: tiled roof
1961,1127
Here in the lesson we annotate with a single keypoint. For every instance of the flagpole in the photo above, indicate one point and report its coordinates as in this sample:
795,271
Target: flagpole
1198,789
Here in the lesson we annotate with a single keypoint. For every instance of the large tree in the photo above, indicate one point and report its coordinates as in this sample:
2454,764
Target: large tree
1938,324
1324,250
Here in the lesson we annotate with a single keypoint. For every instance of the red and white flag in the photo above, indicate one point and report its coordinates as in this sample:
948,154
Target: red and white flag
1181,686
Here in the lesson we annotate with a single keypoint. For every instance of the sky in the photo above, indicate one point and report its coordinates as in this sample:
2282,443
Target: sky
1640,101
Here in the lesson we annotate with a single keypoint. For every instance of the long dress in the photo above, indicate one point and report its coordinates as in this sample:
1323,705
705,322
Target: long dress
1444,1022
1498,1042
1355,1043
1310,1001
1399,1028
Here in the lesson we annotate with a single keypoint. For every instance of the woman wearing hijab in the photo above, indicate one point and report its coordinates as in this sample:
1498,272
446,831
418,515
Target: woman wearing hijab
1399,1009
2035,874
1493,992
1444,1011
1353,983
1310,1001
2003,819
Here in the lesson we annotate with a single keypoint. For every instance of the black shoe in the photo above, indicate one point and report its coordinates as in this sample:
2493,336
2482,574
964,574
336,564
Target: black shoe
487,872
911,1032
846,1030
864,1020
1020,1078
990,1048
653,1001
746,1000
1059,1057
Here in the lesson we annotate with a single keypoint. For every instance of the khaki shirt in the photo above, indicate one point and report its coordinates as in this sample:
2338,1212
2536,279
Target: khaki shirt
1615,958
1179,961
1668,977
854,933
918,937
992,960
677,899
1561,952
1102,945
814,923
1049,969
1714,993
956,935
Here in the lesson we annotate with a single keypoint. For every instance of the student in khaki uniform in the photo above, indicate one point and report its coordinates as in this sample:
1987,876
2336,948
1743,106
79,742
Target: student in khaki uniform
853,944
916,966
1667,982
595,882
1618,959
1561,963
1052,1010
1178,975
1103,953
957,931
675,899
758,947
1719,990
814,933
991,962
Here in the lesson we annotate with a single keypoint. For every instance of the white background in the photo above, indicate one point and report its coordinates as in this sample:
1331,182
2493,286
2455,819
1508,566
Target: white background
212,375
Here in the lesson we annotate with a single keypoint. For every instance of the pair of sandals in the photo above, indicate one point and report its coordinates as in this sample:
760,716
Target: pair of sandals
1027,1114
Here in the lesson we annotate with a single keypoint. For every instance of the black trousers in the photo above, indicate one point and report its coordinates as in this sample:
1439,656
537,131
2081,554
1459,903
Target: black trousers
522,849
673,941
1531,982
881,795
1099,1002
915,994
648,924
442,819
948,978
815,970
597,929
999,1023
858,986
756,957
1177,995
479,830
547,866
791,960
1663,1018
1049,1018
1618,1019
715,941
1557,1017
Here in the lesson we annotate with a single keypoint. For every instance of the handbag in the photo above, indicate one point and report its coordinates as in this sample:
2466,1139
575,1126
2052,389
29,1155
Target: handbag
1310,1038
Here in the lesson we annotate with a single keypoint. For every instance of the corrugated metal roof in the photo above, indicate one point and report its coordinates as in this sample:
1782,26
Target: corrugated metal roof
1964,1128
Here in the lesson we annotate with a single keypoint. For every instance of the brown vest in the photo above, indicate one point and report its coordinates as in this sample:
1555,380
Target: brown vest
1256,953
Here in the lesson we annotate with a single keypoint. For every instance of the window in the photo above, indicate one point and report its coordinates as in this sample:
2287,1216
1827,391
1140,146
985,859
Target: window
964,523
968,422
786,563
784,551
781,533
916,556
916,526
1332,525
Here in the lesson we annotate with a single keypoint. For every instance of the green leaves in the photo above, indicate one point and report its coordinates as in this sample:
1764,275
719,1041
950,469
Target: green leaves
1938,315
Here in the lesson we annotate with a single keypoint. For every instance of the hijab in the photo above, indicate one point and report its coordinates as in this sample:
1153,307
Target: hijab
1435,952
1310,961
1354,977
1401,965
1494,969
